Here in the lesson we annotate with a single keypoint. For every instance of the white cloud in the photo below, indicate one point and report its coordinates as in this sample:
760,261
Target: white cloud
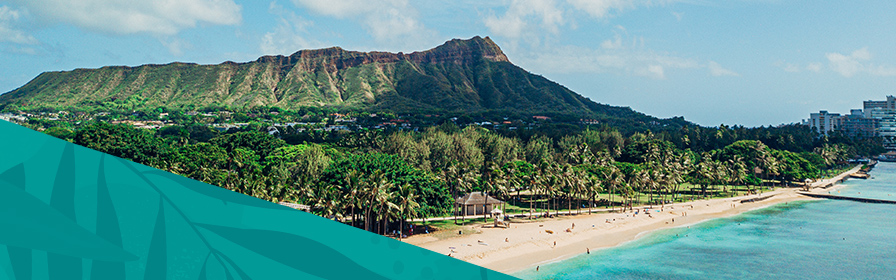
814,67
601,8
515,21
717,70
622,54
532,19
797,68
9,18
175,46
789,67
384,19
644,63
654,71
289,36
604,8
857,62
678,16
135,16
615,43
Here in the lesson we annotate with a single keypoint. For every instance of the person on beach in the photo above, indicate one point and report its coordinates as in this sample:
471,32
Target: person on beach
536,268
588,251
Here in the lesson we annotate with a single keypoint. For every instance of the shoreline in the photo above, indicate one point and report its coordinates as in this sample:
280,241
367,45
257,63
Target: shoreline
527,244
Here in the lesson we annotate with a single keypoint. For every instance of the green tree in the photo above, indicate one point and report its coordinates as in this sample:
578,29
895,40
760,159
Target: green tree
124,141
261,143
407,206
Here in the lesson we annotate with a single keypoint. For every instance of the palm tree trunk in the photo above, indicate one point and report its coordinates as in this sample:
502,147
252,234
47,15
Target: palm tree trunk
454,195
530,205
367,223
591,204
569,205
650,196
610,202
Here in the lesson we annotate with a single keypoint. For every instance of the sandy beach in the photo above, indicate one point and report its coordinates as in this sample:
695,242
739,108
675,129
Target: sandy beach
527,244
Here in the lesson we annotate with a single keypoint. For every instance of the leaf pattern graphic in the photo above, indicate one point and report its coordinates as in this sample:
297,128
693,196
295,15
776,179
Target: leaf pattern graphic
236,268
15,176
107,227
63,199
19,258
316,260
202,274
157,260
124,220
215,192
40,227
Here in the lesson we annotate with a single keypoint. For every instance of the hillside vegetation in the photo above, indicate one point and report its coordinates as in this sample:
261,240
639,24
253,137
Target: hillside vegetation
470,75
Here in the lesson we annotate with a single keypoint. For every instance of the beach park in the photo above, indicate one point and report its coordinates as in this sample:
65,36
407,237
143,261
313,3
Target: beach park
526,244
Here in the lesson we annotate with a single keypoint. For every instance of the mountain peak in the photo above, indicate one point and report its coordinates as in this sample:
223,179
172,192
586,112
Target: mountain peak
461,50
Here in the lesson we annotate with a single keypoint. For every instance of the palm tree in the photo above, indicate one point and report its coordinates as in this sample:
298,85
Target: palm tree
495,183
676,170
387,210
353,192
766,162
651,181
568,185
407,206
614,180
328,201
377,194
737,170
704,173
511,182
550,188
450,175
720,173
533,180
464,183
637,182
593,186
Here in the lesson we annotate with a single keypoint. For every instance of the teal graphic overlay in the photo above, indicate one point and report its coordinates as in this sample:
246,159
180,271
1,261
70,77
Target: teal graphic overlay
68,212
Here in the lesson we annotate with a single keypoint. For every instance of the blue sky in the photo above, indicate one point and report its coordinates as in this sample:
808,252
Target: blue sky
761,62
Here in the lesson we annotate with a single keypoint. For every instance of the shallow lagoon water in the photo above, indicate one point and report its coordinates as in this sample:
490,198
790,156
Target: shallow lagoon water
824,239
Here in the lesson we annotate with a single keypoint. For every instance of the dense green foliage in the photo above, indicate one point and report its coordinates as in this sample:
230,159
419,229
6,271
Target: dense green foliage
379,178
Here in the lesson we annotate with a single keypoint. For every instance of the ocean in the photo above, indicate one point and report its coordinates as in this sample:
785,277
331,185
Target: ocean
823,239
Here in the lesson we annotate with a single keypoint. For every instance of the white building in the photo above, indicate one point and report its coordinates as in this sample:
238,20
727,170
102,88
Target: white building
824,122
870,105
887,128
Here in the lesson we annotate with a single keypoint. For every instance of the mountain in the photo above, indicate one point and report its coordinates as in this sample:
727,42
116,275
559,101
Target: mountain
460,75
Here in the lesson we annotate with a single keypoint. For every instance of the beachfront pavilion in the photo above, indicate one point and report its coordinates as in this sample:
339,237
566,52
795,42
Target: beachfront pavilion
475,203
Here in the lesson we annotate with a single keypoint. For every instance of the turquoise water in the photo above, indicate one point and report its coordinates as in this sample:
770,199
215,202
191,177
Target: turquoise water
825,239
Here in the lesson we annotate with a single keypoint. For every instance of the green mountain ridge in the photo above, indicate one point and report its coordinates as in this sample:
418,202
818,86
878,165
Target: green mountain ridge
460,75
